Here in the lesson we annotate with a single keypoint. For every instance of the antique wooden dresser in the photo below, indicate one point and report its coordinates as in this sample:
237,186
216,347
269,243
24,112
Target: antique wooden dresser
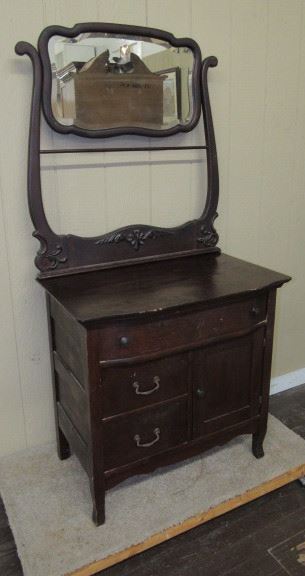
161,346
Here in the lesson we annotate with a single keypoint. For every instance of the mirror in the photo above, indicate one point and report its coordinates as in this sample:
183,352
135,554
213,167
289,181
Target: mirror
102,81
124,82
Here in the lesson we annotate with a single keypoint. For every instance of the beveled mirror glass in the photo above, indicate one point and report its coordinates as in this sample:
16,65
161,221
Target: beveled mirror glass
109,80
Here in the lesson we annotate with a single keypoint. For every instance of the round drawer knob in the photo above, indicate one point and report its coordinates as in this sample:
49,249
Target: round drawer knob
255,311
200,393
124,341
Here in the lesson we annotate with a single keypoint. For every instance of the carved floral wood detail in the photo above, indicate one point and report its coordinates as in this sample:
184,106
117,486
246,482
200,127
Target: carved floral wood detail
136,237
208,235
49,257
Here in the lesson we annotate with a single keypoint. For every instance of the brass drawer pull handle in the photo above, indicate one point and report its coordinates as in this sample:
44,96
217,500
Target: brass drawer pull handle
137,439
156,381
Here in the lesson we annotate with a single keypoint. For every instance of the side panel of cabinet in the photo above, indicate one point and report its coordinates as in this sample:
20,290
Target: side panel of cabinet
227,379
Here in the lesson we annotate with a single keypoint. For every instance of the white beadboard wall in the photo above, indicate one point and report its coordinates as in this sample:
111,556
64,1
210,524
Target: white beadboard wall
258,99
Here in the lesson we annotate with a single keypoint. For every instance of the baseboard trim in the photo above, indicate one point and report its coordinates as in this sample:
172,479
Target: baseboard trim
286,381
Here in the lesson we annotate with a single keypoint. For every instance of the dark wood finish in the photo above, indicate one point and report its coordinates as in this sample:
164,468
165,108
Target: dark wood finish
133,387
140,386
96,445
69,341
258,438
158,362
188,449
72,436
184,331
141,434
64,254
126,31
208,235
117,149
225,380
235,544
157,288
63,448
72,397
51,253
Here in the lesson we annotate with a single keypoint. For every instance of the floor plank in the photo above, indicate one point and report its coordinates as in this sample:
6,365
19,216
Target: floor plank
10,565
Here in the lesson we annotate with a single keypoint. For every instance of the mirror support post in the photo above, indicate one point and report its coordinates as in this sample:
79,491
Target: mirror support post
208,235
51,253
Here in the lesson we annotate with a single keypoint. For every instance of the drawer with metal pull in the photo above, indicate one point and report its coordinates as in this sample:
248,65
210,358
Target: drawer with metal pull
143,433
128,388
151,339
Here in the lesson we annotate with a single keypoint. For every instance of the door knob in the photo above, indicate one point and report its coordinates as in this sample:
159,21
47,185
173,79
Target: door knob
200,393
254,311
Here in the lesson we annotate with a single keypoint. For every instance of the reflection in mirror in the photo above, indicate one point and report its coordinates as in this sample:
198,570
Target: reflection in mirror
102,80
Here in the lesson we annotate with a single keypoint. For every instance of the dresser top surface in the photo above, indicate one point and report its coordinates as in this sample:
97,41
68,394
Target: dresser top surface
158,286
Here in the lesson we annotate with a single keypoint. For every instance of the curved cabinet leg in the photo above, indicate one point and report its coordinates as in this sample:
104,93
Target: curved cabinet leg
98,514
257,444
63,448
98,500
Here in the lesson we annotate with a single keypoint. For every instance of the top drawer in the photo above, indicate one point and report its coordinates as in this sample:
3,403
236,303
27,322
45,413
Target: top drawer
135,339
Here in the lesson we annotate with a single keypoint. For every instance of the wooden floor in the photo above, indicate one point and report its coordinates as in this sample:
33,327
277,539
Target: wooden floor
263,538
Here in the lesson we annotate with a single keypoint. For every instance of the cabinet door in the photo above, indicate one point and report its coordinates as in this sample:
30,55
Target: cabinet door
227,382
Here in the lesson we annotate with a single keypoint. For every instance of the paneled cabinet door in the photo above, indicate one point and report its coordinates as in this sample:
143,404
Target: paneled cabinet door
227,382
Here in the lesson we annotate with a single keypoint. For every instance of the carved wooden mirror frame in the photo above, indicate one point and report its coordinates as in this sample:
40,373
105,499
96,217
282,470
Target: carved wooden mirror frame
125,31
67,254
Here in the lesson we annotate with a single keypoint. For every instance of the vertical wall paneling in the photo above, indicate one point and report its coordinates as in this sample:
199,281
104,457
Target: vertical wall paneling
81,192
122,11
12,424
211,27
294,316
69,12
49,179
21,22
278,184
198,185
73,210
127,188
284,30
248,55
171,172
289,198
127,185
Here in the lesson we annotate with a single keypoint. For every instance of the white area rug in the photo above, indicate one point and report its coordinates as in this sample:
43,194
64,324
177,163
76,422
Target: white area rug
49,506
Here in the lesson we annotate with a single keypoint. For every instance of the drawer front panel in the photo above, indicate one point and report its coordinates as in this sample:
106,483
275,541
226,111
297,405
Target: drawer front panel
125,340
142,434
130,387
